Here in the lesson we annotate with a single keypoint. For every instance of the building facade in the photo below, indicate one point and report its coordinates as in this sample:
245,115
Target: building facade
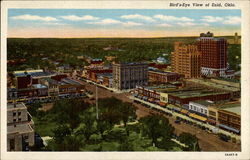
186,60
200,107
229,117
163,77
20,128
214,55
129,75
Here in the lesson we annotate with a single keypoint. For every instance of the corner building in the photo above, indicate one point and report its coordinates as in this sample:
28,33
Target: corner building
129,75
186,60
214,54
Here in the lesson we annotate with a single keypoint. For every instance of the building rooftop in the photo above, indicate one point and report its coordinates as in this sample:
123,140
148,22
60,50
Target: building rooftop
19,128
215,85
195,93
162,72
203,102
231,107
105,75
39,86
11,106
32,73
70,81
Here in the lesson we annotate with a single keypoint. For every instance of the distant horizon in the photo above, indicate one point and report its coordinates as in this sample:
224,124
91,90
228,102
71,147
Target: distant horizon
232,35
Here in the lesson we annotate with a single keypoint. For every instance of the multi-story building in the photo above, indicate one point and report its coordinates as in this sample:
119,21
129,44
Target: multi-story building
129,75
229,116
20,128
162,77
214,54
186,60
200,107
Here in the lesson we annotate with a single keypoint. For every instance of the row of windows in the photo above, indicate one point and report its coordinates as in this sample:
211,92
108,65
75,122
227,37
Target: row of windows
15,120
15,113
198,109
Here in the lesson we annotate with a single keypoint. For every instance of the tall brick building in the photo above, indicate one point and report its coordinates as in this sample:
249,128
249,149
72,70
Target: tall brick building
186,60
128,75
214,54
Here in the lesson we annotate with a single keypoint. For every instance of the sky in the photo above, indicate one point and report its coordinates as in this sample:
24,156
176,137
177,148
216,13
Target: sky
93,23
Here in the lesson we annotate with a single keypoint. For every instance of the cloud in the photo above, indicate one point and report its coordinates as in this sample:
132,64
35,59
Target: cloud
232,20
34,18
129,24
172,18
164,25
106,22
79,18
55,24
138,16
211,19
204,24
184,24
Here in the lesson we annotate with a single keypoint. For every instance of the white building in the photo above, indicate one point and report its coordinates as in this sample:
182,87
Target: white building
20,128
200,106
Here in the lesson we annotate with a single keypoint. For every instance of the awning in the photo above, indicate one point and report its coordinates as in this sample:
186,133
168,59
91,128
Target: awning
229,128
151,99
145,98
177,109
197,117
184,111
135,94
211,121
157,100
170,106
162,104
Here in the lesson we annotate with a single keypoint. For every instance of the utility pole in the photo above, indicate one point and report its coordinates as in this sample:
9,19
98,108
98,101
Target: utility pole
96,98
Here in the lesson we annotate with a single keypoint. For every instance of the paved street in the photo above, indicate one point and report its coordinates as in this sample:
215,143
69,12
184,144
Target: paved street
207,141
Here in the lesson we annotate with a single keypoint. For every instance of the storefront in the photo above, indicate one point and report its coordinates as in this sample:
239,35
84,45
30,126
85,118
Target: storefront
197,117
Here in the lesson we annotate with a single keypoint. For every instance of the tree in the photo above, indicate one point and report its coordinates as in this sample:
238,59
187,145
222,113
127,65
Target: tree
88,125
156,126
127,111
190,140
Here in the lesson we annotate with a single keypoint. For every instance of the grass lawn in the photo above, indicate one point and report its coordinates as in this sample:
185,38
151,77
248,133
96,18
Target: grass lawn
44,128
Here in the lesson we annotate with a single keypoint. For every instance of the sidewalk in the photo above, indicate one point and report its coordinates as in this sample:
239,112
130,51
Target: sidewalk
175,114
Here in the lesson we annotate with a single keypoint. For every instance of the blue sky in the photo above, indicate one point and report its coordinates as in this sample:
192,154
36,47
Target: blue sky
136,22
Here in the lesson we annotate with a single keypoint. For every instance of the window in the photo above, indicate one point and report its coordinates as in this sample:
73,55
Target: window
201,110
14,113
19,113
19,119
14,120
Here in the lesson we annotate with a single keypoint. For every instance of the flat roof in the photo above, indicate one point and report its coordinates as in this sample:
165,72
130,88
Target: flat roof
70,81
19,128
160,87
213,84
231,107
39,86
11,106
163,72
203,102
33,73
195,93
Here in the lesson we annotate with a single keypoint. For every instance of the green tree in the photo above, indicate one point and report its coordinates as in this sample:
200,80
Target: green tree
190,140
156,126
